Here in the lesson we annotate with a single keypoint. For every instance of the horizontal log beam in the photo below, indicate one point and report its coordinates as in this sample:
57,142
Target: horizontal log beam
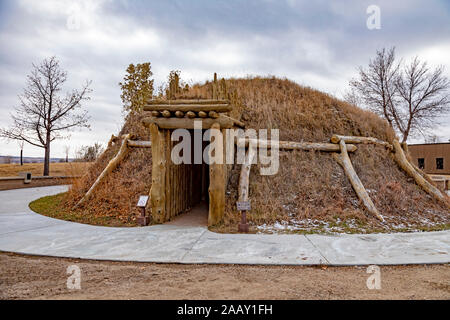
291,145
186,123
139,144
189,107
365,140
186,101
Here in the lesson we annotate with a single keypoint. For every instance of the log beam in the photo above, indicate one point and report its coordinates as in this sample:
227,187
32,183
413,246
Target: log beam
139,144
186,101
291,145
344,160
365,140
189,107
187,123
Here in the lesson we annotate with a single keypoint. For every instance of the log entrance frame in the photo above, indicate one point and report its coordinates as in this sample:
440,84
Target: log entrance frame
178,187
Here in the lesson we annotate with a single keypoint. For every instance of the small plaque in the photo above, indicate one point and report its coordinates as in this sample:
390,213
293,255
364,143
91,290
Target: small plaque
243,206
142,203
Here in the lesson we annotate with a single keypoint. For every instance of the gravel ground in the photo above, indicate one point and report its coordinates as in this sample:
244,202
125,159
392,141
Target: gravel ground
30,277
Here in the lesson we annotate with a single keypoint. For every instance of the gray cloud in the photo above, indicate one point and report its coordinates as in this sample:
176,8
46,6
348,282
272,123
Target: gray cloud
316,43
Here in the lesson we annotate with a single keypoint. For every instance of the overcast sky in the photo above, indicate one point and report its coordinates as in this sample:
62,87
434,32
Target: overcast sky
315,43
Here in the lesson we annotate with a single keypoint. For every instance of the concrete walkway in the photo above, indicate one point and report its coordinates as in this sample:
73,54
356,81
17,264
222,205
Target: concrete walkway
23,231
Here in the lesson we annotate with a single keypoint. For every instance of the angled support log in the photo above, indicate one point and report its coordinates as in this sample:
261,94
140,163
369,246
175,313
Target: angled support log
365,140
112,165
403,162
344,160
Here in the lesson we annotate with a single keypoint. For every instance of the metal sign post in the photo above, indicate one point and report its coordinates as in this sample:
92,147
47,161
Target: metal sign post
243,207
143,220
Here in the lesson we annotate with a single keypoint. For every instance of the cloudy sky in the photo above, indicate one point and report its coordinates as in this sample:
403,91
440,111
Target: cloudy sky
315,43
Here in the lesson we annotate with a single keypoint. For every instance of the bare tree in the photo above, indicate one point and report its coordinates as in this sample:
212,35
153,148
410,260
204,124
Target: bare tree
43,114
424,97
410,97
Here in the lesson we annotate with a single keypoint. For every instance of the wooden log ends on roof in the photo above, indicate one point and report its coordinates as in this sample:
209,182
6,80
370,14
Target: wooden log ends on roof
292,145
191,115
403,162
364,140
187,123
344,160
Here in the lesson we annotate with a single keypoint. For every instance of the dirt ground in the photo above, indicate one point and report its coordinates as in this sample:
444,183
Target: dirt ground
28,277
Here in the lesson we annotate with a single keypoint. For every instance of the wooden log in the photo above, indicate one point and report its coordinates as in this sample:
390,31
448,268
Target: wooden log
186,123
216,188
202,114
139,144
157,191
156,114
169,178
186,101
213,114
244,178
344,160
291,145
403,162
191,114
365,140
179,114
189,107
166,114
123,151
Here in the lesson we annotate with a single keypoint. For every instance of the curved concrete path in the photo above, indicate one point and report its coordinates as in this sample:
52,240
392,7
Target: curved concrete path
23,231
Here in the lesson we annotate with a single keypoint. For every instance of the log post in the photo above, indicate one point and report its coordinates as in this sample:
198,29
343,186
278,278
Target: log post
403,162
157,191
344,160
216,187
123,151
244,178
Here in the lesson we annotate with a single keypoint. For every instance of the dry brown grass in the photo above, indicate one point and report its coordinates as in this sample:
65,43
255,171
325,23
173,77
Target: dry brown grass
310,186
36,169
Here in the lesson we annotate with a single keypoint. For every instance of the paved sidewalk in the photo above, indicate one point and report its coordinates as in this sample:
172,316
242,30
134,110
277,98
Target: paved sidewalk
23,231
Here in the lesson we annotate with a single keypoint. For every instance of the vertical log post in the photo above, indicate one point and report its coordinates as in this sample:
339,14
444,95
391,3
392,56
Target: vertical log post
216,187
157,191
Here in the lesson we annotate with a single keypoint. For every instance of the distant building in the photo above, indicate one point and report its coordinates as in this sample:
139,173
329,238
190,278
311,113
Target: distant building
433,158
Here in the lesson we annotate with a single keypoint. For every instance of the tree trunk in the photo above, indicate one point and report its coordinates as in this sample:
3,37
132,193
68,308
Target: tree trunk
21,157
47,159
